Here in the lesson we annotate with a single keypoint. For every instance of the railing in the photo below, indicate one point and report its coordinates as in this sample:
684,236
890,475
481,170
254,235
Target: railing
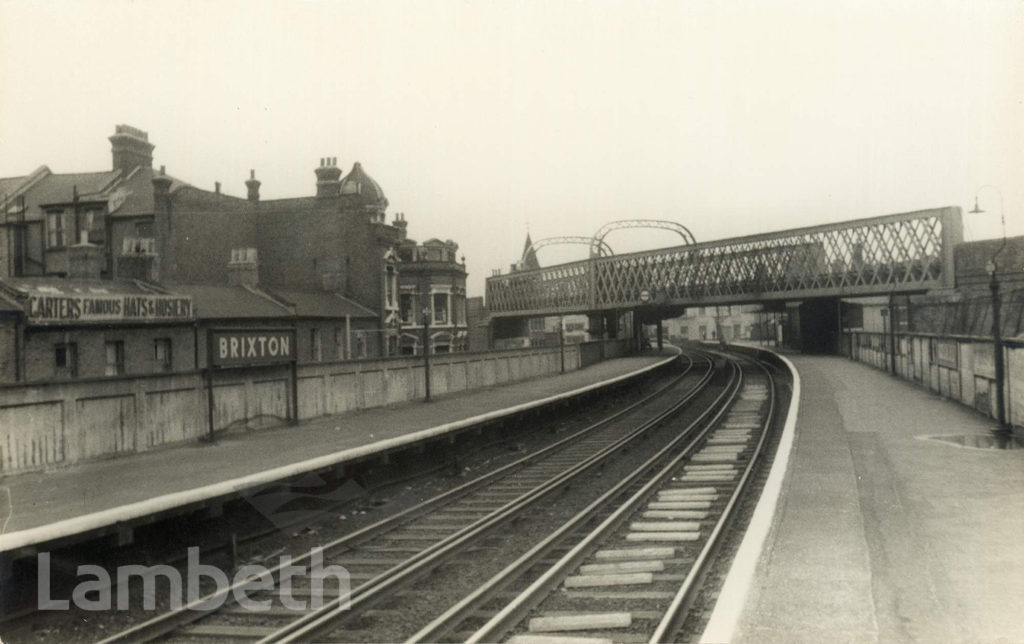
910,252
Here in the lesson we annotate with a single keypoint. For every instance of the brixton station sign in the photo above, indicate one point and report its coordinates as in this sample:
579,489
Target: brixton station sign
242,347
90,309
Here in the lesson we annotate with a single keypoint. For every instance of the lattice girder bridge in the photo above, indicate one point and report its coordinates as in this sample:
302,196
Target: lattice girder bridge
903,253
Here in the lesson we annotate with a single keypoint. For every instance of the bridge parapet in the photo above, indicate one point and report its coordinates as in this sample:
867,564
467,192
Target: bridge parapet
908,252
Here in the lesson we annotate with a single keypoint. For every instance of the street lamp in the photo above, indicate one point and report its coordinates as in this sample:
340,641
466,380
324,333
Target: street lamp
426,351
992,268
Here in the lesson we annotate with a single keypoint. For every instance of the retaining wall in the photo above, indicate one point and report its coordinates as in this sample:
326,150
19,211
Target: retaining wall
62,423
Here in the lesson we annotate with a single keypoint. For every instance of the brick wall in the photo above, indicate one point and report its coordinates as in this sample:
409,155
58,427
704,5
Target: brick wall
91,342
203,228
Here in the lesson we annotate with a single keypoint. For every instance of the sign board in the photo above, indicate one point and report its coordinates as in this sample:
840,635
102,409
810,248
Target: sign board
106,308
946,353
247,347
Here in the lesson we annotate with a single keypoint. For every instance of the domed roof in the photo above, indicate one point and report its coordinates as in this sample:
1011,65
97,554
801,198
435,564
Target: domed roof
359,183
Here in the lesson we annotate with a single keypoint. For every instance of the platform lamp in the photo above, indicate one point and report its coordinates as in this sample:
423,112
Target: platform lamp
992,268
426,351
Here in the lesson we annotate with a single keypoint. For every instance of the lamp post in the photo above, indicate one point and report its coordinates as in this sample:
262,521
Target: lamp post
426,351
992,268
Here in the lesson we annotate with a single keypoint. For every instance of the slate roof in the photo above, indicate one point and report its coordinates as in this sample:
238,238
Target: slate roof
43,187
25,286
321,304
212,302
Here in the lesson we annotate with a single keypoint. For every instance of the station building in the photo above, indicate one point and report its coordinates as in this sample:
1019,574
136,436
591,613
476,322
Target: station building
125,271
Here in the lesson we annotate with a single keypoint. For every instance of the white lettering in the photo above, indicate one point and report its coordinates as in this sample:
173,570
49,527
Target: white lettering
100,585
148,574
285,582
234,347
223,343
43,586
196,571
286,345
262,580
251,340
317,573
272,346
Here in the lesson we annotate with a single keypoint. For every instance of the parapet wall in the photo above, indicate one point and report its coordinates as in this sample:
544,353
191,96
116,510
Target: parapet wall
58,424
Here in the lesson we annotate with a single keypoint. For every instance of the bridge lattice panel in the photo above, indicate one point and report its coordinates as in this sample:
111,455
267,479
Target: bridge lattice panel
896,253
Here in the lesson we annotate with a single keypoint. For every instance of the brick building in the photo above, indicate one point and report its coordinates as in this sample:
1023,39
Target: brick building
432,288
326,265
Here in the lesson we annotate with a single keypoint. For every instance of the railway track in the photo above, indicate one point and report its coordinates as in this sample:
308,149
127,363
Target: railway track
390,554
627,568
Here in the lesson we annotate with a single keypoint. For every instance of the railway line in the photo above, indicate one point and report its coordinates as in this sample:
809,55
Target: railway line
389,555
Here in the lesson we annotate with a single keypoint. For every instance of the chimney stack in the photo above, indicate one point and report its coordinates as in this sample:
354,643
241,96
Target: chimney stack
328,178
131,148
216,187
161,223
85,260
253,186
244,268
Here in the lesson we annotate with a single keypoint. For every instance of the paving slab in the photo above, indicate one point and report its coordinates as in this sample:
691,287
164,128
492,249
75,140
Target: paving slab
882,535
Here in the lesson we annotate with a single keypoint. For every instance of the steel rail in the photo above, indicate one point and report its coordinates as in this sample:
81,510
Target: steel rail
323,620
514,612
170,621
449,620
678,609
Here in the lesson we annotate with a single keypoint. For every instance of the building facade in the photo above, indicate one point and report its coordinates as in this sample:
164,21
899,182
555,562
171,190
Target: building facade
327,265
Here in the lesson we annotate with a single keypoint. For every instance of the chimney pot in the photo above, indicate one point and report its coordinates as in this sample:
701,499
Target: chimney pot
216,187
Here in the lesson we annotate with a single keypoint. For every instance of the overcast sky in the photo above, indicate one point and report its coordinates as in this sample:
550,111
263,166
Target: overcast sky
484,120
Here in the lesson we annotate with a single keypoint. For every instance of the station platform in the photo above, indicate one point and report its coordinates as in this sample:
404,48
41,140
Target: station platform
46,507
880,533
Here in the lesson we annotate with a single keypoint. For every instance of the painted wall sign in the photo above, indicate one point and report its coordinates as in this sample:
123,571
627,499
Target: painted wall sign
89,309
243,347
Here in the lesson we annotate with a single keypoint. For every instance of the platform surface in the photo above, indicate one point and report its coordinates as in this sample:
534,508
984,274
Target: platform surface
881,536
39,500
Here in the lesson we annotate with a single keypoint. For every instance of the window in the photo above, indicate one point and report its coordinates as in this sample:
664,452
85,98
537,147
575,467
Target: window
316,353
407,306
115,358
65,360
390,285
440,308
93,225
162,354
57,229
684,332
736,332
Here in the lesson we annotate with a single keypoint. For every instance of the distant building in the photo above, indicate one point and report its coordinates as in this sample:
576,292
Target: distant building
432,290
714,323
